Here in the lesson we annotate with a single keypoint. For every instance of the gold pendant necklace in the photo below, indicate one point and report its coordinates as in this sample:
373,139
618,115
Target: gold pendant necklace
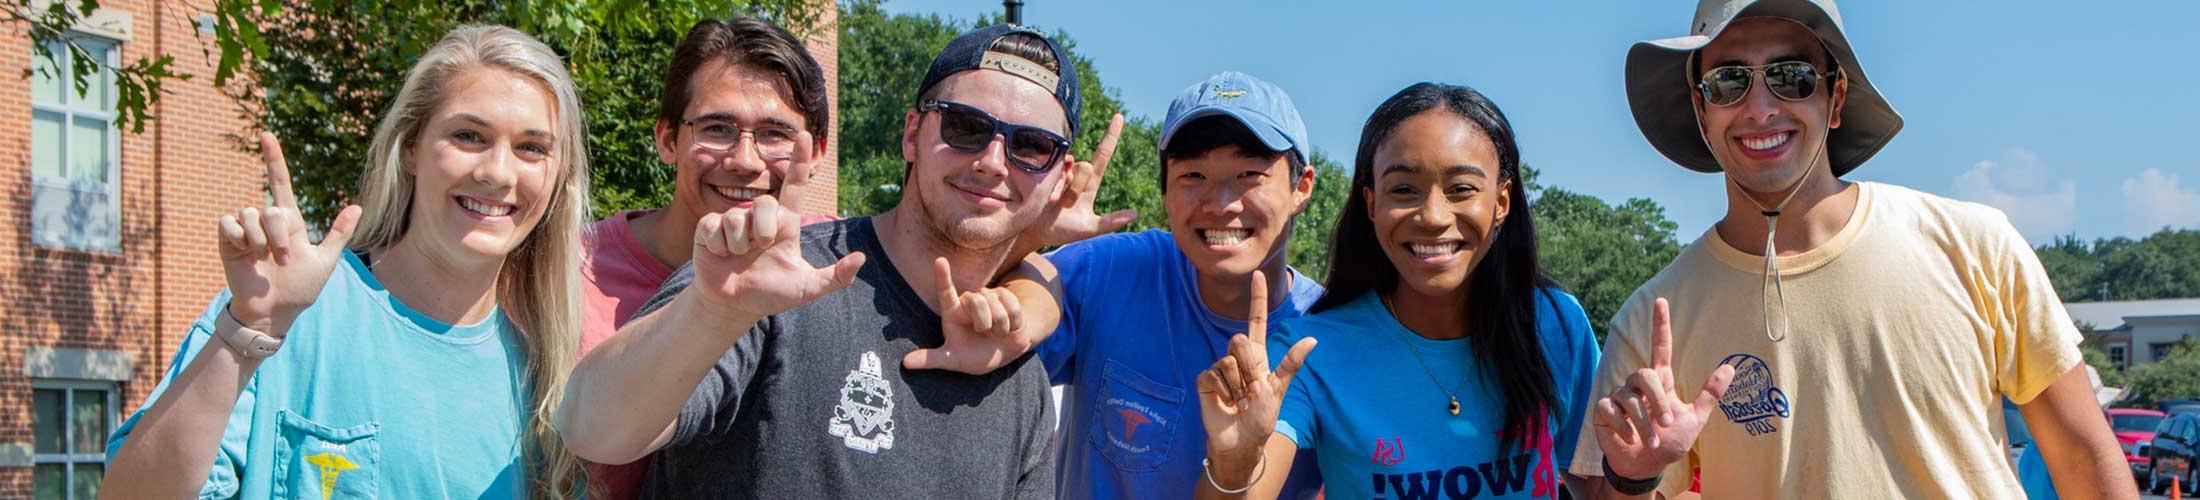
1451,393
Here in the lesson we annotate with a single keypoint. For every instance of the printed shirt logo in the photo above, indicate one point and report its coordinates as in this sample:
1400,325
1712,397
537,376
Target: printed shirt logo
1132,420
865,418
1388,452
1532,471
332,466
1753,400
1135,416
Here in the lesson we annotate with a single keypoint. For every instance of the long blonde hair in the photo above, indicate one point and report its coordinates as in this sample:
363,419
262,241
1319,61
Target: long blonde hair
538,287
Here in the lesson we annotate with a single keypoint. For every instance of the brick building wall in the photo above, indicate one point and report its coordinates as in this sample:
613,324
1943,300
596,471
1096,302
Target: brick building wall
121,311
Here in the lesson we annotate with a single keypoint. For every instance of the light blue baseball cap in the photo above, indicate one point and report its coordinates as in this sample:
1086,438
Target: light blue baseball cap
1260,105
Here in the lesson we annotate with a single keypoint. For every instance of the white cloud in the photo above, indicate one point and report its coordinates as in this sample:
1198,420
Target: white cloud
2041,205
2156,200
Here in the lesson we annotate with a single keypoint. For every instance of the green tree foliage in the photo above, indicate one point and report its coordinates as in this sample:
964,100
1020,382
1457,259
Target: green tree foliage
2163,265
2110,375
326,72
882,59
2176,376
1599,252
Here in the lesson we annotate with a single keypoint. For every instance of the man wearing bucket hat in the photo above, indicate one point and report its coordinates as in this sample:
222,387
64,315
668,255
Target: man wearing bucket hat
1911,315
766,367
1144,313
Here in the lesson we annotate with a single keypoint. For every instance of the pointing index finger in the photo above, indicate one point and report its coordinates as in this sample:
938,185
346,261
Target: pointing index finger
1256,320
948,297
1661,336
794,188
278,171
1101,155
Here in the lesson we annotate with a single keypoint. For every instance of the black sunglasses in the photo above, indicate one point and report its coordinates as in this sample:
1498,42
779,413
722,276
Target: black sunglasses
969,130
1788,80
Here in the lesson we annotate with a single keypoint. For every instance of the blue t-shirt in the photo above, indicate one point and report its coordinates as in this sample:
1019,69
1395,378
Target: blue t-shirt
370,399
1134,338
1380,425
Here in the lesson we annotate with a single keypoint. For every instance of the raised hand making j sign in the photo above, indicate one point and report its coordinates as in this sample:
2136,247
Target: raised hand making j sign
1239,396
749,259
1645,425
274,271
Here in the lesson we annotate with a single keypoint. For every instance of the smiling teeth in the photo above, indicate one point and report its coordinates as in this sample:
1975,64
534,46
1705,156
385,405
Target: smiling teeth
1766,143
1231,237
1433,249
484,208
740,193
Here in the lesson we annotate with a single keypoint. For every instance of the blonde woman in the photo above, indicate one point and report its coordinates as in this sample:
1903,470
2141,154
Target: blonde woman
415,351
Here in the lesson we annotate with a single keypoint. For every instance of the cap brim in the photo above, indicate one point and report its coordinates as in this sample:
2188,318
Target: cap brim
1263,128
1658,93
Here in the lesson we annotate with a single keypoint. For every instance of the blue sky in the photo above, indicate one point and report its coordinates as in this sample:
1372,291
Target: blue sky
2072,117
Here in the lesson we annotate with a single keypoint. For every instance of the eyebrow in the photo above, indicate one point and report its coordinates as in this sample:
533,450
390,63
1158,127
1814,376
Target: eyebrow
1774,59
483,123
1448,171
728,117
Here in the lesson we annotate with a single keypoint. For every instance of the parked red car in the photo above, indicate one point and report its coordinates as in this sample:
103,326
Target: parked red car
2134,426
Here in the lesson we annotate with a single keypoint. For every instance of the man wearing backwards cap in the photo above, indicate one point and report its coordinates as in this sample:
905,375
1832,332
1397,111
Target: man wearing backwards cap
761,376
1147,312
1911,314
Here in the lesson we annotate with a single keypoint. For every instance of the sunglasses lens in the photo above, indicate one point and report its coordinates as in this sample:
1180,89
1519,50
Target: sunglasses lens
1793,80
1726,86
965,130
1034,149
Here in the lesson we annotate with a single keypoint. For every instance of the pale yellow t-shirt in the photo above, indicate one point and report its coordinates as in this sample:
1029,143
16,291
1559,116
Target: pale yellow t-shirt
1906,330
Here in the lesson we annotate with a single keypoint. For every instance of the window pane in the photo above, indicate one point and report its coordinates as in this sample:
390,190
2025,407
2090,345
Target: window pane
86,480
96,95
88,423
47,77
46,420
46,144
88,150
46,482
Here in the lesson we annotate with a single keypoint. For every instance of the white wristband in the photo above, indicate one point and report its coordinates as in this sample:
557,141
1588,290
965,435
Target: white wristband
243,340
1262,470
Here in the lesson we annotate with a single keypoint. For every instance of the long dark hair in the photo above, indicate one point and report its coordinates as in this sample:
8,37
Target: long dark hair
1503,287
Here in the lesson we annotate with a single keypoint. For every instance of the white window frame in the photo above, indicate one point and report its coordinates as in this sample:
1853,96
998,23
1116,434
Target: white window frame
68,390
71,109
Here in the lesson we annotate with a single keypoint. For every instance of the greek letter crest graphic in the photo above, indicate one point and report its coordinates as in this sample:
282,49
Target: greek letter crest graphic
864,420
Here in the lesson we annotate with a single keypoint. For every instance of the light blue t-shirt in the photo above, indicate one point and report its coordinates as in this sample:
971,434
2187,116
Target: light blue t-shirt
1133,339
1381,428
371,398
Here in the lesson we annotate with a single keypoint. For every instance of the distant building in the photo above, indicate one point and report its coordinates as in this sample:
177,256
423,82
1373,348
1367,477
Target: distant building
2137,332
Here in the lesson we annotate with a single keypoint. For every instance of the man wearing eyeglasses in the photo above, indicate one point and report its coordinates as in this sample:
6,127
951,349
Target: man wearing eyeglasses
1827,338
769,366
740,96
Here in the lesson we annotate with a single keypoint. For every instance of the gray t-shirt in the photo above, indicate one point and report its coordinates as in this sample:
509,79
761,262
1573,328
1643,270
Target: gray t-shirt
813,402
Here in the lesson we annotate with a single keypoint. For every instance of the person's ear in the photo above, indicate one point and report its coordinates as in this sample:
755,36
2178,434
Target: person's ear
910,119
1840,98
667,142
1504,202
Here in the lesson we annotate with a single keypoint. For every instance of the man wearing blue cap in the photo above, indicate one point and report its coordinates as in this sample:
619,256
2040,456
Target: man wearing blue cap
1144,313
756,374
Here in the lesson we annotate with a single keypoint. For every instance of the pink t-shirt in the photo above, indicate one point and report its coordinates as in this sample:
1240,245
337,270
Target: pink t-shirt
617,276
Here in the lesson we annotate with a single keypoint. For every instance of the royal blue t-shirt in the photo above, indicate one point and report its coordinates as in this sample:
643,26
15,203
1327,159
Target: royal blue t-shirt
1381,426
1133,339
